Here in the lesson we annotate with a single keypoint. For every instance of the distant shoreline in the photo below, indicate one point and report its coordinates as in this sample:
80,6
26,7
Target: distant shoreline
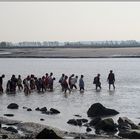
126,52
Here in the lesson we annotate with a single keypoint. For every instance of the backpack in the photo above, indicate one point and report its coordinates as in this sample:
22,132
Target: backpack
95,80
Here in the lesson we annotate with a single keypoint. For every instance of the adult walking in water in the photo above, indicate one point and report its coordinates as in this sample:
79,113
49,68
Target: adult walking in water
73,82
61,81
81,83
97,81
111,79
65,85
1,83
19,83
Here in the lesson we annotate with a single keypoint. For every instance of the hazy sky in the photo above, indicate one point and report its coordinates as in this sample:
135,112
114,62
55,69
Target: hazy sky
69,21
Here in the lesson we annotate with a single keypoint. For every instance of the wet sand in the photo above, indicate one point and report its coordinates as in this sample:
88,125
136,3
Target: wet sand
70,52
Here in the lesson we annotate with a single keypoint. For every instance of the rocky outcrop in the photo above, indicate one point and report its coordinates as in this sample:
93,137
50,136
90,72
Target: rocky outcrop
4,137
47,134
98,109
43,109
11,129
125,123
72,122
77,122
135,134
54,111
37,109
95,121
13,106
107,125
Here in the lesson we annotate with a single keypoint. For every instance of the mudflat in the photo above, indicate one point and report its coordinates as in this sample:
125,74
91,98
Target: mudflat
69,52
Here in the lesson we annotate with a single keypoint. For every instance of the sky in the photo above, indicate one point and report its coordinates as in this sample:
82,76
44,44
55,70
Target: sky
69,21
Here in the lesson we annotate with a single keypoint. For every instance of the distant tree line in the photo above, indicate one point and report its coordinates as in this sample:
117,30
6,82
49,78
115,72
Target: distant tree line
82,44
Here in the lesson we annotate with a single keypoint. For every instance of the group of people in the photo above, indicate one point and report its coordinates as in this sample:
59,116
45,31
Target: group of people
45,83
30,83
110,79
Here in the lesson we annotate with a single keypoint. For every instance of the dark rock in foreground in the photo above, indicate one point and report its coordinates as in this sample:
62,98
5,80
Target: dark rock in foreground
84,120
9,115
95,121
80,137
29,109
54,111
4,137
37,109
41,119
130,134
88,129
77,121
125,123
72,122
11,129
98,109
47,134
78,116
13,106
107,125
43,109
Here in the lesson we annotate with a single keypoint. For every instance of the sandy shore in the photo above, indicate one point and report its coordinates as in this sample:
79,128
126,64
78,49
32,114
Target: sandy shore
70,52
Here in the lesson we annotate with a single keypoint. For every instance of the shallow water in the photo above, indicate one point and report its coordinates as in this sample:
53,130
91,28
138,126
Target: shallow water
125,99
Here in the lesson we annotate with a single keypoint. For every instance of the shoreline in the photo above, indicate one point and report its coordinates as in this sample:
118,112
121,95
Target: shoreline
29,130
132,52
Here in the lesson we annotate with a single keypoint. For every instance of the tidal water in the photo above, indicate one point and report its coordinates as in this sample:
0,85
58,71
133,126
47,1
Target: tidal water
125,99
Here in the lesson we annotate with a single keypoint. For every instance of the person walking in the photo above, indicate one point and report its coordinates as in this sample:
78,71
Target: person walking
111,79
81,83
97,81
1,83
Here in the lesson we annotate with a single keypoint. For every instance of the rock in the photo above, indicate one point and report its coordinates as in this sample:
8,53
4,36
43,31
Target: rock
107,125
0,125
47,112
4,137
43,109
95,121
24,107
86,124
72,122
37,109
11,129
9,115
98,109
125,123
78,116
47,134
84,120
79,122
41,119
79,137
12,106
29,109
54,111
130,134
88,129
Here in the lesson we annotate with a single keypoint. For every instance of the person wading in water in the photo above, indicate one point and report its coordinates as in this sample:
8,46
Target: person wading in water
111,79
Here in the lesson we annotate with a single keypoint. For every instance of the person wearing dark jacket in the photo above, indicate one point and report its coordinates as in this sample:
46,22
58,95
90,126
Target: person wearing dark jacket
97,81
111,79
